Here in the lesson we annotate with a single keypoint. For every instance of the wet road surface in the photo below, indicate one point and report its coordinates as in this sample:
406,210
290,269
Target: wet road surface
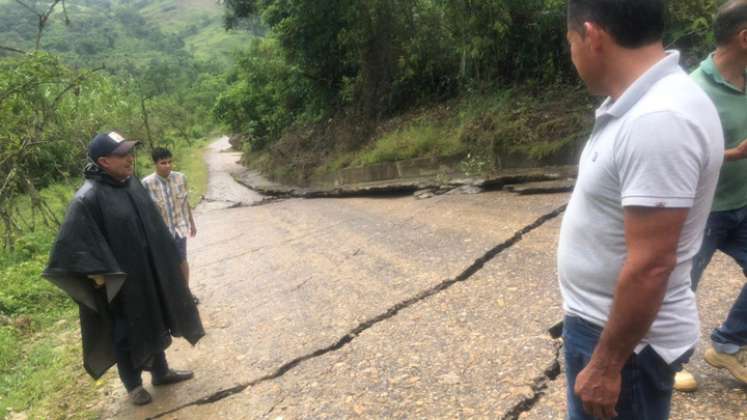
386,308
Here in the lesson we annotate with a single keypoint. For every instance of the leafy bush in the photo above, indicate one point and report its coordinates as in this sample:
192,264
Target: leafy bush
265,94
690,23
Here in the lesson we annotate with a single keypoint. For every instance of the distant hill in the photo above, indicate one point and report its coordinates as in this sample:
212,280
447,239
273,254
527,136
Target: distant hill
199,22
132,30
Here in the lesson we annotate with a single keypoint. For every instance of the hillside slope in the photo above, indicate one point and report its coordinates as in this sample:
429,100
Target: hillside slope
115,31
199,23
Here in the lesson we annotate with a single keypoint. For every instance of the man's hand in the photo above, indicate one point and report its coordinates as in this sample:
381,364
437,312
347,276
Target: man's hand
599,390
192,230
651,236
737,153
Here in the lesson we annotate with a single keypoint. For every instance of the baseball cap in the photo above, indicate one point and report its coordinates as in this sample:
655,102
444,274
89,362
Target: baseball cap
111,143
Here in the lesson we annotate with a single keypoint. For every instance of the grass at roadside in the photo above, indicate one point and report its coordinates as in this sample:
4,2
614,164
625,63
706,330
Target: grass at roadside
437,131
41,372
489,126
486,132
190,160
40,363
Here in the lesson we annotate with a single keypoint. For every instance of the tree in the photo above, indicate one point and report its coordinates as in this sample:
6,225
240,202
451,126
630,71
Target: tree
38,103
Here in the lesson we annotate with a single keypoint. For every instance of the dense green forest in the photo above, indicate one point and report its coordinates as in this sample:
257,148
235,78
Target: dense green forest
350,82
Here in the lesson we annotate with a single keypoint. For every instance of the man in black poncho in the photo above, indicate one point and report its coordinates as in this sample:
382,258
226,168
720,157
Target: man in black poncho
116,258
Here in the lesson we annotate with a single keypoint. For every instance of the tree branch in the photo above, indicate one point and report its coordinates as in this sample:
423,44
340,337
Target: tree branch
43,17
31,9
74,84
11,49
51,7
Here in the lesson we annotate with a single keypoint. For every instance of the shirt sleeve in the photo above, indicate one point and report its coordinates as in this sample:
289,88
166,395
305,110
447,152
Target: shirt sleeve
146,182
660,159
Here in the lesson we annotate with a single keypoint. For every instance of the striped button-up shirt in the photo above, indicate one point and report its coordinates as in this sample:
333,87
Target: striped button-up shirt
170,196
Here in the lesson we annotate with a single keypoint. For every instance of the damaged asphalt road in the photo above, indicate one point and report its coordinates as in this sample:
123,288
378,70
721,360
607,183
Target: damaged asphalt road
538,386
364,307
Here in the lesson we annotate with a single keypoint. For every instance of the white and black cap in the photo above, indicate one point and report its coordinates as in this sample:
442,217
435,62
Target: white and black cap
111,143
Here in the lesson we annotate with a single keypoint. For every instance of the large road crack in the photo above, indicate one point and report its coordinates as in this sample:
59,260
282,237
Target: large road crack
538,387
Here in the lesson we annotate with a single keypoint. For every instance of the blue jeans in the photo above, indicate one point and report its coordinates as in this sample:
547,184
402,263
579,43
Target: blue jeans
647,380
726,231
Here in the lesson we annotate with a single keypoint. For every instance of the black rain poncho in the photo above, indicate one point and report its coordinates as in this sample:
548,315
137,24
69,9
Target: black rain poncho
114,229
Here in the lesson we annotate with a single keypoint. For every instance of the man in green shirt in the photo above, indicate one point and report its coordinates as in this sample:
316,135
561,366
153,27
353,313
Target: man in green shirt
722,76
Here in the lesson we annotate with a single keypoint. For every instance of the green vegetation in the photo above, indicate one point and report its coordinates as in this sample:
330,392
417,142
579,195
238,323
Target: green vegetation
122,33
342,83
39,369
421,139
51,102
189,160
497,124
481,129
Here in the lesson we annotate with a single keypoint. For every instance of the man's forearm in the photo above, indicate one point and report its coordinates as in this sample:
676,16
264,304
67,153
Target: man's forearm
191,218
638,298
732,155
736,153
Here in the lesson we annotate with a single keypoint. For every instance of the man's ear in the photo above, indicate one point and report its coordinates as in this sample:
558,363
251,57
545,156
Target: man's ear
742,38
596,36
102,162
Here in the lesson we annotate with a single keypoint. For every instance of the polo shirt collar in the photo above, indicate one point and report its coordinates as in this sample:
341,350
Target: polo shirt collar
667,66
708,66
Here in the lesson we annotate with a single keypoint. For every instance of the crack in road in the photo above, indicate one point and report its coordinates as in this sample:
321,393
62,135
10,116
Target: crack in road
231,204
539,386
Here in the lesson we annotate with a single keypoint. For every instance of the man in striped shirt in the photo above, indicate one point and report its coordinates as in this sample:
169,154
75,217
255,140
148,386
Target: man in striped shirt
168,189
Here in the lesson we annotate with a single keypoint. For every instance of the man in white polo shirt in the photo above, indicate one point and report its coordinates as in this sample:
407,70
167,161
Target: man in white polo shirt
635,220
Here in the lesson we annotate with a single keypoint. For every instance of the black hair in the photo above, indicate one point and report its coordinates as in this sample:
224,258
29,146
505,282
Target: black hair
730,19
631,23
159,153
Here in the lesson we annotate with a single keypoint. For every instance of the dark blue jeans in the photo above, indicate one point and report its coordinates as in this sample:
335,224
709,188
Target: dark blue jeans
726,231
647,380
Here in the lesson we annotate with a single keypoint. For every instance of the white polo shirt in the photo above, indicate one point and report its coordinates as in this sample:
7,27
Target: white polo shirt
659,145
